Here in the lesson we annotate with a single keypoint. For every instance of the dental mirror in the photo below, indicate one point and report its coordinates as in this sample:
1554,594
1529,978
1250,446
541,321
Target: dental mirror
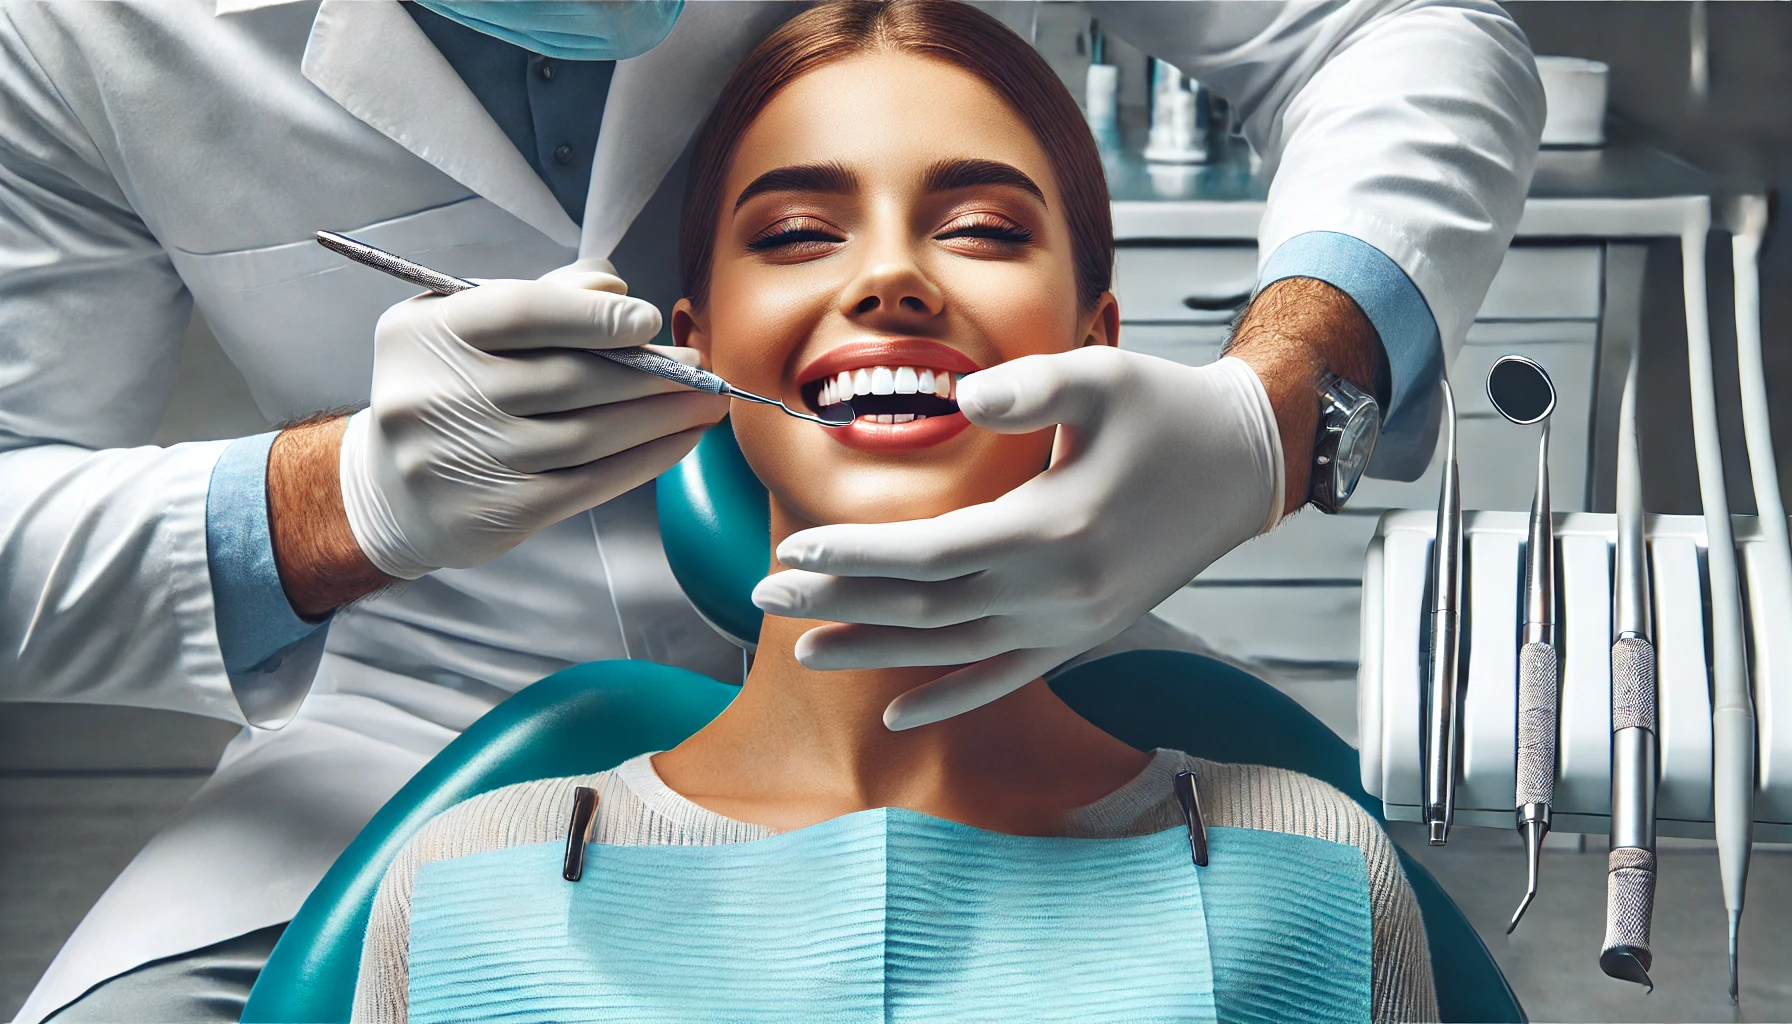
837,415
1521,390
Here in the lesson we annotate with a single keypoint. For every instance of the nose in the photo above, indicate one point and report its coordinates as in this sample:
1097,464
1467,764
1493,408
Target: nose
892,285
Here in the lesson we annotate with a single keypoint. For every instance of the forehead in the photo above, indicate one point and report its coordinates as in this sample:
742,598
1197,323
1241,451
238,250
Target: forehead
888,116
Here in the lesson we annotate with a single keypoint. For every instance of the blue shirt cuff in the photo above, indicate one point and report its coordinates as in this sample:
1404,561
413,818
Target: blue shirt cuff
256,624
1401,317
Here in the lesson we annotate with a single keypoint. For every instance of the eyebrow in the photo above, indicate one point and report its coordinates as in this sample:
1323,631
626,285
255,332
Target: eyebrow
832,178
836,179
947,175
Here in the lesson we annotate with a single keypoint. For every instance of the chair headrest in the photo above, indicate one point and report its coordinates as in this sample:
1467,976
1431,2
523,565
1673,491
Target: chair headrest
715,523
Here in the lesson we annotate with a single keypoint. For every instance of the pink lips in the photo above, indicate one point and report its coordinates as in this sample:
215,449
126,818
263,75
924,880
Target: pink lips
866,435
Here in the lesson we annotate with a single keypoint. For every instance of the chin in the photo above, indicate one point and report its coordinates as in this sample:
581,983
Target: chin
825,482
874,494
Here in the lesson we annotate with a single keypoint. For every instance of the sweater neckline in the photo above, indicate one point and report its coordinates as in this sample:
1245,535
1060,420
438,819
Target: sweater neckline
1110,815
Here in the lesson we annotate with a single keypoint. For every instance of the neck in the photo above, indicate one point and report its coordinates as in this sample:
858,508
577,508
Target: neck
798,747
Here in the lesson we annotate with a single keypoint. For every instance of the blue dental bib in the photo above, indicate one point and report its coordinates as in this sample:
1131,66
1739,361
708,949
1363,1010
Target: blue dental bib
892,915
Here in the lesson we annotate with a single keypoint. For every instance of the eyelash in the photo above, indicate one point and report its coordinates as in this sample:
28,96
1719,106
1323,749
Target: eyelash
789,233
988,228
980,228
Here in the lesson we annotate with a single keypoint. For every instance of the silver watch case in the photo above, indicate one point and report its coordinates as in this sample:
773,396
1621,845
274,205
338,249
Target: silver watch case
1349,423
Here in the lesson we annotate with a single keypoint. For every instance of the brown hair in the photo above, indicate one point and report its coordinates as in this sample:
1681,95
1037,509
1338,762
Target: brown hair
945,30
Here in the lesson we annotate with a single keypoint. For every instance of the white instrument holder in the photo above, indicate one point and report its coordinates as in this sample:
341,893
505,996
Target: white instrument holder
1393,658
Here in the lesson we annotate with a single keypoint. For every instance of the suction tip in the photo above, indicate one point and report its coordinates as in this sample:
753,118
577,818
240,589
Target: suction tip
1626,964
1436,832
1735,926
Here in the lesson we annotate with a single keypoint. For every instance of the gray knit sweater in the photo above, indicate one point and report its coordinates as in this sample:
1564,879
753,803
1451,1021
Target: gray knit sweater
636,808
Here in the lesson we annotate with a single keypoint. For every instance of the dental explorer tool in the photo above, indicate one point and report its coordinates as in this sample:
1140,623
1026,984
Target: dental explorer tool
1441,678
1636,746
1732,705
1522,392
634,356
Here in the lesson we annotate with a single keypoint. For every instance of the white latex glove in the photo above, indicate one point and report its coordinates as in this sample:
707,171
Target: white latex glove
1158,470
489,421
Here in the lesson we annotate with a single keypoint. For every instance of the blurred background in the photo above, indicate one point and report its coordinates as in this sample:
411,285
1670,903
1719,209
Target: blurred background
82,788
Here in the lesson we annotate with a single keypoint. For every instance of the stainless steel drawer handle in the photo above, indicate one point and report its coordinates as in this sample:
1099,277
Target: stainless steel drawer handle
1217,303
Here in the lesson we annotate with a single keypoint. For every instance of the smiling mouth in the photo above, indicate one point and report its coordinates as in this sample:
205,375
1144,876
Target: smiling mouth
884,394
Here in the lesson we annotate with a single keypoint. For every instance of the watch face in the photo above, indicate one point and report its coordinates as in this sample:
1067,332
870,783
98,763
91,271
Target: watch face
1355,443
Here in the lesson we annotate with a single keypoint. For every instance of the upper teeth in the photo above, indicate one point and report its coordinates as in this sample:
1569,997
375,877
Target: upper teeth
886,380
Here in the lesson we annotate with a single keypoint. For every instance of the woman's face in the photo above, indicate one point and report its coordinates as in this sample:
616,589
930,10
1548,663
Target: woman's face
888,224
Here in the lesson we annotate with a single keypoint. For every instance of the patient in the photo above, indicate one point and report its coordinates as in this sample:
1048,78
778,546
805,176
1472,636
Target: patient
889,196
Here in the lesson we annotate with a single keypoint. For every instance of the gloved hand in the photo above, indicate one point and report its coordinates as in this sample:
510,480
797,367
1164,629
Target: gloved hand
490,420
1158,470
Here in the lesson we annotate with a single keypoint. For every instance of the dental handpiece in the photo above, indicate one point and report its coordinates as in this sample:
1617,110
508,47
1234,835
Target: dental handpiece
1630,867
1441,726
634,356
1733,754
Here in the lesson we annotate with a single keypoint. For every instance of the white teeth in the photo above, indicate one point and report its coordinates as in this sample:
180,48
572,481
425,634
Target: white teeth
885,418
885,380
904,417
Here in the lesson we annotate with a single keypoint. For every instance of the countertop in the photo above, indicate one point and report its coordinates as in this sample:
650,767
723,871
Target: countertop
1622,190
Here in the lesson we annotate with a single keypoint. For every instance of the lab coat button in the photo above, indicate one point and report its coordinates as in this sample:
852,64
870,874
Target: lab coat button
563,154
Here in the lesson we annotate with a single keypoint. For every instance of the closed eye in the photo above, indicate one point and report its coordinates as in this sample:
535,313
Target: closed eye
793,233
988,229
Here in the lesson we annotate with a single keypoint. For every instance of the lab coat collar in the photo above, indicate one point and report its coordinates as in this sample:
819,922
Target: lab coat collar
239,6
373,60
656,102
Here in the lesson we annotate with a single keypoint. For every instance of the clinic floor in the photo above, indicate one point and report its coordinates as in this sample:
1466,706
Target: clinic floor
81,790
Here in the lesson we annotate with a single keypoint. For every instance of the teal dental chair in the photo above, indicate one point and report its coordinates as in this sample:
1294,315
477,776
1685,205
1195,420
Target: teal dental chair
713,518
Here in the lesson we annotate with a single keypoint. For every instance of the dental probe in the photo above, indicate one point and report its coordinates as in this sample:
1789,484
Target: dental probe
1630,867
1441,726
634,356
1522,392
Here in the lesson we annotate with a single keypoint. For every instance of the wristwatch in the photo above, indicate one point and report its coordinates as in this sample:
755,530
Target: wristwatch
1349,422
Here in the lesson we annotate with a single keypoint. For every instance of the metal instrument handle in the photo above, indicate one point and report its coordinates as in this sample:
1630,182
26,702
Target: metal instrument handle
634,357
397,266
1629,905
637,358
1539,698
1440,726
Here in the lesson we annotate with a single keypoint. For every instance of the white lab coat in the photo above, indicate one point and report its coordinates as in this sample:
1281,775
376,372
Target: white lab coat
163,153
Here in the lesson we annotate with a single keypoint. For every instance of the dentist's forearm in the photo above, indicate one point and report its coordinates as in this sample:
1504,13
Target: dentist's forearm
1296,331
321,566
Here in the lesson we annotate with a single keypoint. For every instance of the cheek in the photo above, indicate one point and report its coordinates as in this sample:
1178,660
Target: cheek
1017,309
762,331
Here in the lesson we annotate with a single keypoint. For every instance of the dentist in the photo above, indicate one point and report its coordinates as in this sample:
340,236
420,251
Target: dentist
356,589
